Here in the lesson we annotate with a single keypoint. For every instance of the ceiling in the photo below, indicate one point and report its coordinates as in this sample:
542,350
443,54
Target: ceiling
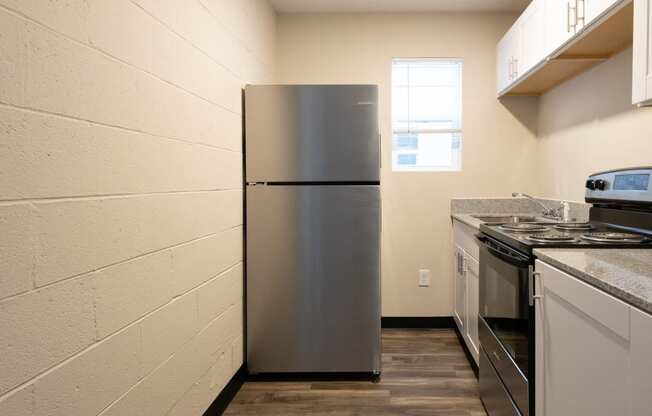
383,6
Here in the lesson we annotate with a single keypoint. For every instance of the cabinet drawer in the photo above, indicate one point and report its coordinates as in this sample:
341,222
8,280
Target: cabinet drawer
464,237
598,305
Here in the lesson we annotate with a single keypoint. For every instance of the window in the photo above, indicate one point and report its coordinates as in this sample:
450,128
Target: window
426,114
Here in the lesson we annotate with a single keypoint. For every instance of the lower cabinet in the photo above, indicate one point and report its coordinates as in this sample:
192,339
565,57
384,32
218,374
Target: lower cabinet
472,305
593,351
459,310
467,287
641,363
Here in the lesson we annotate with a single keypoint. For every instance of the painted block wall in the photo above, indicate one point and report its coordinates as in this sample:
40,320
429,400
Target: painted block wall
121,201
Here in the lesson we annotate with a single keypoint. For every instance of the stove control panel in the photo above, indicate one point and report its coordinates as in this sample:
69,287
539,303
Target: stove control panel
625,185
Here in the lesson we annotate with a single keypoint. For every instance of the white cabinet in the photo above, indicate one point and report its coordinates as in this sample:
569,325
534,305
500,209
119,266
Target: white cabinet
553,40
508,53
591,350
642,53
531,30
459,311
641,350
590,10
523,46
565,18
559,24
467,286
472,267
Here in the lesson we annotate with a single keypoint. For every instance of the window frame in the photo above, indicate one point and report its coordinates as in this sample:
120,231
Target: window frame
456,133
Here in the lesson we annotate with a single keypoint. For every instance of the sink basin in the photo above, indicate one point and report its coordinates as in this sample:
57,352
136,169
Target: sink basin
492,219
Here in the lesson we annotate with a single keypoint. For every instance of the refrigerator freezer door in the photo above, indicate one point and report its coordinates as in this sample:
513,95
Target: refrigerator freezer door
312,133
313,279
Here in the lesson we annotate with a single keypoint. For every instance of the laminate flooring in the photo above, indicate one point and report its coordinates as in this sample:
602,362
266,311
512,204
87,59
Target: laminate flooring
424,373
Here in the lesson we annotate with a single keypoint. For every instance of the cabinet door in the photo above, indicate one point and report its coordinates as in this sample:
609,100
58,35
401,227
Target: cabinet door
472,305
583,348
507,59
532,36
459,311
592,9
558,25
641,358
642,53
503,65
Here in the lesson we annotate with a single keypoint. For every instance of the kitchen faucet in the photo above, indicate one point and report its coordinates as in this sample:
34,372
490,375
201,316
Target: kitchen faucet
560,213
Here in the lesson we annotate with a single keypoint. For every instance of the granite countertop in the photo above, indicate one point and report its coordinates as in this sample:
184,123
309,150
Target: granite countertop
623,273
464,209
470,220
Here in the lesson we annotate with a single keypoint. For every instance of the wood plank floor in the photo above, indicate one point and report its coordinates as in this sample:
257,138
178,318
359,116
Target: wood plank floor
425,372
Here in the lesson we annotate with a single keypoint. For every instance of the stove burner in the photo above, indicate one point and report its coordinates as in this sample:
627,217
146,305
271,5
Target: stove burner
574,226
524,227
552,238
611,237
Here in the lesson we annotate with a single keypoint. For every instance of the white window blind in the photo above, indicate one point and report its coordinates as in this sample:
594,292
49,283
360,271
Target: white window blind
426,114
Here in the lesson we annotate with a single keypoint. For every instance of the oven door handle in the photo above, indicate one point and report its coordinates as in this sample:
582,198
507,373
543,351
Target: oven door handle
513,260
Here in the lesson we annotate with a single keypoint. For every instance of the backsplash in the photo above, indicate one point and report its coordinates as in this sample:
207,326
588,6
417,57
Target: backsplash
579,211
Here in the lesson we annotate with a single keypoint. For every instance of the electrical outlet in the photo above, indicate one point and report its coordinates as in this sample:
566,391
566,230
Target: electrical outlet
424,278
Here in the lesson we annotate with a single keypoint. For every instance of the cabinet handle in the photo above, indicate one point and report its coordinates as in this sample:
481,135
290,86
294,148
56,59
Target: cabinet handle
515,68
531,276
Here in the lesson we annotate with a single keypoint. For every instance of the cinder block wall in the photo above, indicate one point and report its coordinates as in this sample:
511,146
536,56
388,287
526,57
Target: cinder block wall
121,201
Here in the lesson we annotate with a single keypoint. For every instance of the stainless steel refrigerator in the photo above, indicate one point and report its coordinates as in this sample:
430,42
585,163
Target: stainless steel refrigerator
312,167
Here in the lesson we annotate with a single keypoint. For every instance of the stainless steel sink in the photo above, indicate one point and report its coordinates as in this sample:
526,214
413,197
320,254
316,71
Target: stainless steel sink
493,219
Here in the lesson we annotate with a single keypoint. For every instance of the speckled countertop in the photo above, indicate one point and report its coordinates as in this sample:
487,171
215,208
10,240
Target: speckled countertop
623,273
470,220
464,209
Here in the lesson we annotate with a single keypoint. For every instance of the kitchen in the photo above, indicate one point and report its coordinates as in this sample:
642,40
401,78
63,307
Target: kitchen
125,269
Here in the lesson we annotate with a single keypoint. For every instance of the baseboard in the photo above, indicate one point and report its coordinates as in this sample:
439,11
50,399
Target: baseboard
467,352
222,401
306,377
436,322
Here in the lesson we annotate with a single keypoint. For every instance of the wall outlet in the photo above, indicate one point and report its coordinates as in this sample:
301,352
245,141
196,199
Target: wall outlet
424,278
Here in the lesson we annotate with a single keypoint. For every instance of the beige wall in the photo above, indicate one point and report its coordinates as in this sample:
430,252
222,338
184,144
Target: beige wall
499,148
121,201
588,124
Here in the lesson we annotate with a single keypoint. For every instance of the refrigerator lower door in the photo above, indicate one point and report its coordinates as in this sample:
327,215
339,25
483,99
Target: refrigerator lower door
313,279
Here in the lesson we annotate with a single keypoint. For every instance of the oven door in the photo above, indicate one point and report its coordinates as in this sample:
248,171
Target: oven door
506,318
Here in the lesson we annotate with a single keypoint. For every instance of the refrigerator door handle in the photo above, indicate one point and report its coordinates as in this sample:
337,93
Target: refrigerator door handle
380,150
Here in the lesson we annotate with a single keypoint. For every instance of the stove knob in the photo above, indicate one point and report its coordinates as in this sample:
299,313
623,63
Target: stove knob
590,184
600,184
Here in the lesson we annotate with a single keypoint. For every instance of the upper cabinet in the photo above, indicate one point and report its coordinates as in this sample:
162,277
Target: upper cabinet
522,46
532,39
559,24
590,10
554,40
508,53
642,54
